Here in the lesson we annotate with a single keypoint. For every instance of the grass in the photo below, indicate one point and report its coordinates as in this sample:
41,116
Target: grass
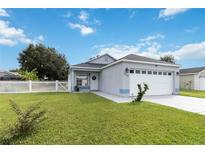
89,119
193,93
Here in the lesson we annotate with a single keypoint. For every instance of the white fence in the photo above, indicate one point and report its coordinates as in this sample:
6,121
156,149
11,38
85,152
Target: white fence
33,86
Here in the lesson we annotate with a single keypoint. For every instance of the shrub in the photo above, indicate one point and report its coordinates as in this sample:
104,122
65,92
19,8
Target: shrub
26,75
25,123
141,92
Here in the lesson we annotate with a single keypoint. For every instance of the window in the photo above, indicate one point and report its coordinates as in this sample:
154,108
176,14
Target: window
82,80
154,73
159,73
137,71
169,73
79,82
164,73
131,70
149,72
144,72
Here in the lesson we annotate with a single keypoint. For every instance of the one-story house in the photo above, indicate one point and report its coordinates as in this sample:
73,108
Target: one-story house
5,75
192,78
120,77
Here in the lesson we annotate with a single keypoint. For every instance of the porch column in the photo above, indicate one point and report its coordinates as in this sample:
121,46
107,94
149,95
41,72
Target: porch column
72,80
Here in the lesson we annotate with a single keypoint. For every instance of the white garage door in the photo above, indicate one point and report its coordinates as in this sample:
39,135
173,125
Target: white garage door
202,83
159,83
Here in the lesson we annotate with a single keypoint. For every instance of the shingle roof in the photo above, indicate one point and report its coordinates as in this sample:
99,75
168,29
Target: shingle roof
141,58
91,65
128,57
8,75
192,70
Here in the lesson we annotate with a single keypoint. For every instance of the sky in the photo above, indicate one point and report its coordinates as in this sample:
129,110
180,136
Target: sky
84,33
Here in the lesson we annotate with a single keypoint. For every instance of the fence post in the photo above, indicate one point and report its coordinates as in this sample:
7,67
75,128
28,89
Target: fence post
30,86
56,85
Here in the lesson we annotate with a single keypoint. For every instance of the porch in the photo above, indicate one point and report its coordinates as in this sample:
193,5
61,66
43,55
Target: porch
84,81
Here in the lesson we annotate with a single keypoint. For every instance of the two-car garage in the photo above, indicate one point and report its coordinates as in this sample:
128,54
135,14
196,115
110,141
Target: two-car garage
159,82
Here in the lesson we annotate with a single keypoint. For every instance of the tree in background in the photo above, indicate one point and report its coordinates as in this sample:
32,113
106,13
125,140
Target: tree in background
28,75
168,58
48,63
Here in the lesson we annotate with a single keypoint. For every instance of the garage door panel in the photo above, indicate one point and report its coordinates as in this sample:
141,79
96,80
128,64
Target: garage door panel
158,84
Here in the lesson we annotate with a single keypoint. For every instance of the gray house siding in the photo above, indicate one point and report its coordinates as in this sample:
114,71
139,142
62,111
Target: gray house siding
114,80
103,60
187,81
111,79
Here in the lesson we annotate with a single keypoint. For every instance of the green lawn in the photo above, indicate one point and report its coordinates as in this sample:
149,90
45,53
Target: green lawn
89,119
193,93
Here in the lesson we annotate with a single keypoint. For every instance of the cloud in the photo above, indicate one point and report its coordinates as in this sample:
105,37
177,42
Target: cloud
191,51
11,35
132,13
191,30
68,14
7,42
38,39
84,23
97,22
152,37
170,12
83,16
84,30
41,38
119,51
145,47
3,13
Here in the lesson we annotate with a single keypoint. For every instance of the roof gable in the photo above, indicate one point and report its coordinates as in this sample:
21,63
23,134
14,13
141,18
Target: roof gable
104,59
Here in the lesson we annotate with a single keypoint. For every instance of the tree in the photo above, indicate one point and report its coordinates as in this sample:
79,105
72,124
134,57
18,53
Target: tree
47,62
168,58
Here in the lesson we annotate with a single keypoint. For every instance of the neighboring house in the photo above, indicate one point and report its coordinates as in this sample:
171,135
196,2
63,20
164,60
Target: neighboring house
192,78
4,75
120,77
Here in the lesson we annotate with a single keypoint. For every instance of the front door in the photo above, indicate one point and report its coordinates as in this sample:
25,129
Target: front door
93,81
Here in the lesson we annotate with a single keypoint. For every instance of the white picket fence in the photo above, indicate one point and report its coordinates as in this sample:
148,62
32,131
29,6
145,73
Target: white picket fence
33,86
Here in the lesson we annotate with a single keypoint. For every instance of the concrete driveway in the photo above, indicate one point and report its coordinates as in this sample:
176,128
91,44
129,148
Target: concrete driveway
113,98
191,104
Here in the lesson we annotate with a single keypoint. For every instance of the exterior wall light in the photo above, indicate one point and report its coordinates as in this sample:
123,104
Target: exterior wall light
126,70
